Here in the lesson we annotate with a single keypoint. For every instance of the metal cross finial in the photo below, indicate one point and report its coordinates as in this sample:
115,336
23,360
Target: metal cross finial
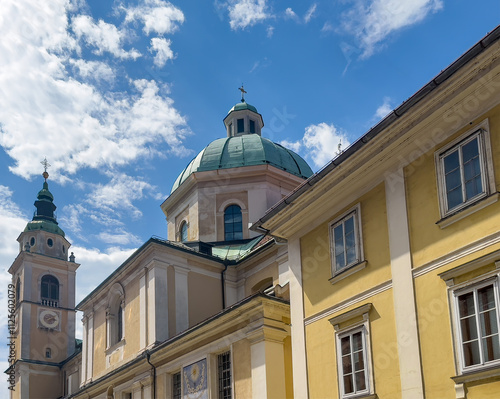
46,165
242,93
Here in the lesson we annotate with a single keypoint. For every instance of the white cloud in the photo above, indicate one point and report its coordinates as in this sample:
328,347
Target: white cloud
81,125
327,27
371,21
270,31
289,13
119,238
320,143
244,13
102,36
95,70
157,16
310,13
163,51
384,109
292,145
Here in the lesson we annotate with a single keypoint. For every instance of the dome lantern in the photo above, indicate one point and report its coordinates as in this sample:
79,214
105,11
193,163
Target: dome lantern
243,118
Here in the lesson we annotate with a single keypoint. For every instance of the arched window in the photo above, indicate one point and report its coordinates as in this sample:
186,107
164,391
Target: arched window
50,291
233,223
114,315
184,232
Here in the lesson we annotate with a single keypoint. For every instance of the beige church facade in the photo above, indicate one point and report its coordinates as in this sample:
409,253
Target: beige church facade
202,314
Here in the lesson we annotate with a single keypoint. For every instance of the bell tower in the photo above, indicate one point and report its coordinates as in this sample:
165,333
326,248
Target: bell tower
44,278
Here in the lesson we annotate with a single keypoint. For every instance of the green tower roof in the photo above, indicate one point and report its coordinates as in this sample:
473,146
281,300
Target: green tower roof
245,150
44,218
241,106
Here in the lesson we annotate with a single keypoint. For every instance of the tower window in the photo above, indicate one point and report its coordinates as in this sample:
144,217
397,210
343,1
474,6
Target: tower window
233,223
48,353
241,125
32,241
252,126
18,290
50,242
50,291
184,232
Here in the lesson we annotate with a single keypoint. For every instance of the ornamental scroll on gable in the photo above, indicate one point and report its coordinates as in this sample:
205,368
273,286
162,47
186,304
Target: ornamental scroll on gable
195,380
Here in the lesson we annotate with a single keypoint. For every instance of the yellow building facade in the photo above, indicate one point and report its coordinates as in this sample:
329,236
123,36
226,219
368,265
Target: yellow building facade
394,249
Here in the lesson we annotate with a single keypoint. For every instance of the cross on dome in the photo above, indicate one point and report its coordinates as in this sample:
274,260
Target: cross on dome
242,93
46,165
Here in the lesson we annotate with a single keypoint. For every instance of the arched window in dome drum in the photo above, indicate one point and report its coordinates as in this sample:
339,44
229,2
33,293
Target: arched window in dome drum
50,291
184,232
233,223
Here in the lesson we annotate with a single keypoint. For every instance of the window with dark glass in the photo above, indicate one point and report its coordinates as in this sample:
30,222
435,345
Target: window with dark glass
346,251
176,386
478,320
233,223
224,375
240,125
352,372
463,173
184,232
18,290
252,126
50,291
119,324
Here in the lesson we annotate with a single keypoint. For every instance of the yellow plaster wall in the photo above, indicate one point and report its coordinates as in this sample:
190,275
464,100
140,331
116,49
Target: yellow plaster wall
488,389
252,280
171,301
434,328
287,346
132,319
322,358
45,386
99,363
242,369
319,293
428,240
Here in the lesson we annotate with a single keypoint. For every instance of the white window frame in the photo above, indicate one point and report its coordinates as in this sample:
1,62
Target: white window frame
457,325
356,212
481,131
363,327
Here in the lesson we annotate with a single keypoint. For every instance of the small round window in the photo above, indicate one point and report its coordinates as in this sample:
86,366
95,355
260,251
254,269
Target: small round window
32,241
50,242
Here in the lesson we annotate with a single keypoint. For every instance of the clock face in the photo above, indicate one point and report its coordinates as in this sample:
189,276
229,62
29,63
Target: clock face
49,319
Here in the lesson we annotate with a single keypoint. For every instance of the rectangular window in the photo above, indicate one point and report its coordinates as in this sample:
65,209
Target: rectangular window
465,172
352,363
176,386
345,241
241,127
224,375
252,126
478,316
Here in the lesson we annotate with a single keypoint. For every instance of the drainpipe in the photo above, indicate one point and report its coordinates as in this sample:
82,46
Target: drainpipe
148,355
223,280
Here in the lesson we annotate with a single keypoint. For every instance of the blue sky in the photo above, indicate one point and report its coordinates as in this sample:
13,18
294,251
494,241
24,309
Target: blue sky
119,96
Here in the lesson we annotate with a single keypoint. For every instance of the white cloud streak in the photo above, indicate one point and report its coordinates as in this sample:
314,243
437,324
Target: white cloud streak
384,109
310,13
371,21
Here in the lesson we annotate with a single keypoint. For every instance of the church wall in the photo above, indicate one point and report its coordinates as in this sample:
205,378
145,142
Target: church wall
132,319
171,301
253,278
44,382
99,360
204,295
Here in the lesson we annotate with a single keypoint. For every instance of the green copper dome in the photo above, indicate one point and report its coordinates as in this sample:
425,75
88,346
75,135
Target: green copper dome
241,106
245,150
44,218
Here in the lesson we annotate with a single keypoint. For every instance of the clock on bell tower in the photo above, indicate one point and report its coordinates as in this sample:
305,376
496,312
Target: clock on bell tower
44,279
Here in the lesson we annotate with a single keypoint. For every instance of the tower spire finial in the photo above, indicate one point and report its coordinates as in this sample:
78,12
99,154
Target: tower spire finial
46,165
242,93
